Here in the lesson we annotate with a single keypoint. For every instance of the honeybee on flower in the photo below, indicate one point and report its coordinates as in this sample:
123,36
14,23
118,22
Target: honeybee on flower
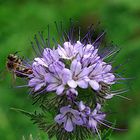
15,65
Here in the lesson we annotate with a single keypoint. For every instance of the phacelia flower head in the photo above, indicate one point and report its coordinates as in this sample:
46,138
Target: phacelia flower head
75,65
71,79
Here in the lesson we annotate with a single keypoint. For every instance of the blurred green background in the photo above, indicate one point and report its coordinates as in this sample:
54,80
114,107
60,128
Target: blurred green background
20,20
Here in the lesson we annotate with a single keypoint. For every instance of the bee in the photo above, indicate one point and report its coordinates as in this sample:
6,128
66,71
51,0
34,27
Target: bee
15,65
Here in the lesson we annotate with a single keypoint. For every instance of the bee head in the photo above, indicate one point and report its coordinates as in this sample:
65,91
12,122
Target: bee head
12,57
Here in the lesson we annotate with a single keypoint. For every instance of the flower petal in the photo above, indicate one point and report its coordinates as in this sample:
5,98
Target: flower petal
69,49
83,84
65,109
75,67
95,85
81,106
77,120
66,75
92,123
41,61
96,110
68,125
60,118
100,116
61,52
33,82
72,83
52,87
107,68
50,78
38,87
60,90
84,73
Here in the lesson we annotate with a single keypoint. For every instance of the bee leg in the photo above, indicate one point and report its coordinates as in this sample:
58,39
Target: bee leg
13,79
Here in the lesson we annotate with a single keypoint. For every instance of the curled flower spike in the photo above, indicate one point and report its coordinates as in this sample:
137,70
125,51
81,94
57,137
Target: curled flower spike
75,77
92,117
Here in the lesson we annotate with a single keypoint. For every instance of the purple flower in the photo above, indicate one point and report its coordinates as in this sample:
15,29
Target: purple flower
83,108
79,75
69,118
91,118
95,116
49,57
85,68
69,51
84,112
37,79
57,77
100,72
88,55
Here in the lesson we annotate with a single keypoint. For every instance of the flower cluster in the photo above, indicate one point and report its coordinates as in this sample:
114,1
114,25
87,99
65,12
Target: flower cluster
82,116
70,67
65,70
77,73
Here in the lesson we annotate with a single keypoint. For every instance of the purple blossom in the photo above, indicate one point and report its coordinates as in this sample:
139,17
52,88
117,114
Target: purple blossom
92,118
57,77
37,79
69,51
95,116
69,118
83,108
85,68
84,112
49,56
100,72
88,55
79,75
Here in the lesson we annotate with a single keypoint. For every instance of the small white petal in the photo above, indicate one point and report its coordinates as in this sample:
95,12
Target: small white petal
81,106
69,49
82,84
109,96
41,61
95,85
72,83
